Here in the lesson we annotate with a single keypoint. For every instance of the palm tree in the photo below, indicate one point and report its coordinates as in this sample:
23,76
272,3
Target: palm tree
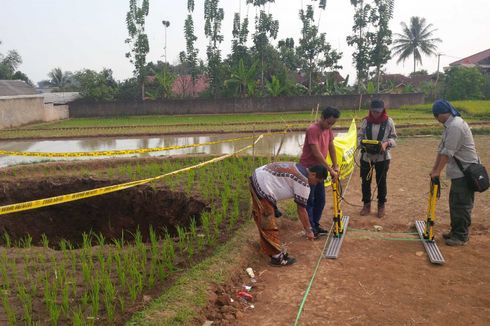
415,38
60,79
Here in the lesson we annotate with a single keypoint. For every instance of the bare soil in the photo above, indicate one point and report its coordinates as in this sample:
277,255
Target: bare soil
374,281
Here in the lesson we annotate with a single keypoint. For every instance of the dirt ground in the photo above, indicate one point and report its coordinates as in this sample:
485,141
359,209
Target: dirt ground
375,281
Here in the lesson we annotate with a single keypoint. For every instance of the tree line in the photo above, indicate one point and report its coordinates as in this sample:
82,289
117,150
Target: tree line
268,67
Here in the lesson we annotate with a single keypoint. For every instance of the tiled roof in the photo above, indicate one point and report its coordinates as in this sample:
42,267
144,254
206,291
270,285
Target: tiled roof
473,59
16,87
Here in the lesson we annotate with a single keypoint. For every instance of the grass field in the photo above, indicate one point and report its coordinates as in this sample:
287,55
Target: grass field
420,116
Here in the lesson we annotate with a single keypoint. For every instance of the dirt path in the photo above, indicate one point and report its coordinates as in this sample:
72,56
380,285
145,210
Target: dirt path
381,282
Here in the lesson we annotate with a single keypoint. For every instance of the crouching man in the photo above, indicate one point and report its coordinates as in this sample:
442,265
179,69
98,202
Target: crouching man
277,181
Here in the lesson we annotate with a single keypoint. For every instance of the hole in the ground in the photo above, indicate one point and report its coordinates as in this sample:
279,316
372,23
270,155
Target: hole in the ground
109,214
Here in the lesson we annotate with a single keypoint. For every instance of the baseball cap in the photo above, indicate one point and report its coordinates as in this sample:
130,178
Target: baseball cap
377,105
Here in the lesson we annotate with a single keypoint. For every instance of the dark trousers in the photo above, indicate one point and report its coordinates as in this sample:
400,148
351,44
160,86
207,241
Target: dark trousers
381,169
315,205
461,199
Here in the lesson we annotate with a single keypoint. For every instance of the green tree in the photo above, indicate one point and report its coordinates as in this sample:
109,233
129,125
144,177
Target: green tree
239,42
138,40
265,27
414,39
314,51
97,86
21,76
462,83
62,81
361,39
382,13
213,16
189,59
287,54
9,64
243,79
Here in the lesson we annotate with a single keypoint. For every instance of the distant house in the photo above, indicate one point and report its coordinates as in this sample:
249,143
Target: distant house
21,104
16,88
183,86
399,82
480,60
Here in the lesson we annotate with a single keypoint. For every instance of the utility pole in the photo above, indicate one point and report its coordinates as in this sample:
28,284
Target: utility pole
438,62
166,24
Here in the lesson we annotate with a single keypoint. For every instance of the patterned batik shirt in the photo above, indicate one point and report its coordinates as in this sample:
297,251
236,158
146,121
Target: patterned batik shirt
282,180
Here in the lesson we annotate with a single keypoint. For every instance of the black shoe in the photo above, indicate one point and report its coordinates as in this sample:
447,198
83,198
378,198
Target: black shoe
454,242
321,231
447,235
277,212
282,260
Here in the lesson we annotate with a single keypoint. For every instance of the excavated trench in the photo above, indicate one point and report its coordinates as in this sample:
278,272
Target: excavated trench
109,215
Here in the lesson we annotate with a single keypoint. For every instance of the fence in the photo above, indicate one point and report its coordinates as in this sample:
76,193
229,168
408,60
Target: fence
80,109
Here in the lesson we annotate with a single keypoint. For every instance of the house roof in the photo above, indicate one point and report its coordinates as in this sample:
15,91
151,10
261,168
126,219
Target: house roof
474,59
15,88
60,97
401,80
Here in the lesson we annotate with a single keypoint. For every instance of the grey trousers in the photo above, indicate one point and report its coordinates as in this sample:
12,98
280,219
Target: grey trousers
461,199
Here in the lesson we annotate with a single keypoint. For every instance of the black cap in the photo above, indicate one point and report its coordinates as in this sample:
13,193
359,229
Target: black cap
377,105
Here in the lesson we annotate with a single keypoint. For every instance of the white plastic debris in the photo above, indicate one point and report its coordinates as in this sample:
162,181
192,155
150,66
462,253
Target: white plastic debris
250,272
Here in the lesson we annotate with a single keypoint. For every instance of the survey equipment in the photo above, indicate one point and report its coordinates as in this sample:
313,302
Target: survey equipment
371,146
340,223
426,228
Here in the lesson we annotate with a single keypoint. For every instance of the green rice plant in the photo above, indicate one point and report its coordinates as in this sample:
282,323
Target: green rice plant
154,259
132,284
7,240
50,297
87,240
182,236
84,299
218,219
25,242
86,270
109,298
235,212
4,270
206,226
44,241
8,309
224,204
65,298
26,301
190,181
168,251
95,296
77,317
100,239
153,241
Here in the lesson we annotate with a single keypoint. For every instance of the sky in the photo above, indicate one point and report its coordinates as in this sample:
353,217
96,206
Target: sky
90,34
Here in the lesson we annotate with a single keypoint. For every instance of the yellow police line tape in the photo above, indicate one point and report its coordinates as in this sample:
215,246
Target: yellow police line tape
118,152
126,151
7,209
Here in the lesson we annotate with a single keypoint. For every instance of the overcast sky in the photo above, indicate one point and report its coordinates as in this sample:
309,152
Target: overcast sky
78,34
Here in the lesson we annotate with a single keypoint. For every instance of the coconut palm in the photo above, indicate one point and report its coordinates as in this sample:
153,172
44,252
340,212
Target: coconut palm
414,39
59,79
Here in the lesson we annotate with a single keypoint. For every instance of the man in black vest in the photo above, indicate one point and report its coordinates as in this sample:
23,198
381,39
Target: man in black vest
376,136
